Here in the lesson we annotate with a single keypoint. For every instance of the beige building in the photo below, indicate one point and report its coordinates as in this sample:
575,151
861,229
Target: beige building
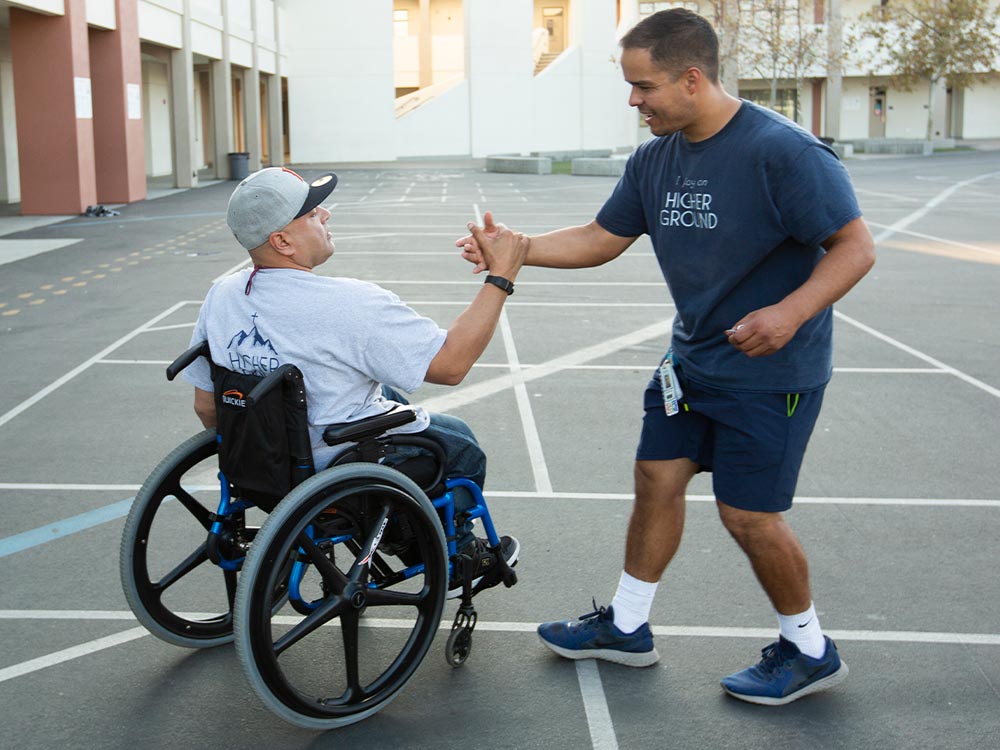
99,96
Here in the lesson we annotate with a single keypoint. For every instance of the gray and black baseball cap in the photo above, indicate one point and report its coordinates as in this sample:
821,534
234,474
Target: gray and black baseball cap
268,200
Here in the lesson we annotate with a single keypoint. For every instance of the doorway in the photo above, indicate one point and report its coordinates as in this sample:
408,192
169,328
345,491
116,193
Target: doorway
554,21
876,112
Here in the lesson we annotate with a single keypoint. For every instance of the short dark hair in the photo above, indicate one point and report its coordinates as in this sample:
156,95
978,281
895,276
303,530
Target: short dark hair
677,39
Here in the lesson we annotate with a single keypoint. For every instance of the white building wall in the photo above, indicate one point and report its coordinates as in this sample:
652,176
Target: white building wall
606,120
101,13
854,109
557,102
340,80
981,113
499,67
906,115
439,127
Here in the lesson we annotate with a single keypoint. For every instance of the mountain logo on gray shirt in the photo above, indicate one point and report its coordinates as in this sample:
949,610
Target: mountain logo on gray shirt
245,353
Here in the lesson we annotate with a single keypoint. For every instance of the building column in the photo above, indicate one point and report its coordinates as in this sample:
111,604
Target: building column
834,72
182,98
116,71
426,57
728,28
222,102
10,184
54,110
275,116
251,98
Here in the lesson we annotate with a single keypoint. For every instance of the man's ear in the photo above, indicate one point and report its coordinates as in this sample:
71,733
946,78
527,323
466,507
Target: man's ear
279,241
692,79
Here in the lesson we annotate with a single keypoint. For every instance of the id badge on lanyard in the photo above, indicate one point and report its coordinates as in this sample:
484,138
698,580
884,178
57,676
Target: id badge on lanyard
670,386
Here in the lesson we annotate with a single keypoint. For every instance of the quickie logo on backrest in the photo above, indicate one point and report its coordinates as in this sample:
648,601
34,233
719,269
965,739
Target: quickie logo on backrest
233,397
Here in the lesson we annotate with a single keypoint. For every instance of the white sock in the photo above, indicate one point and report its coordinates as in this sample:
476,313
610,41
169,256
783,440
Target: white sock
803,630
632,602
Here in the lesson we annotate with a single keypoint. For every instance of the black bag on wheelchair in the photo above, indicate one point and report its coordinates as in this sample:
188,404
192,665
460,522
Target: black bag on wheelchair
264,448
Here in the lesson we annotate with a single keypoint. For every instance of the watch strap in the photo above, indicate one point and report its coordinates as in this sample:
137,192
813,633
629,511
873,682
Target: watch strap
499,281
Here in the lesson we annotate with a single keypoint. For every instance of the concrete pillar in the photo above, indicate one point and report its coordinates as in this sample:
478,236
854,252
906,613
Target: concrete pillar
834,71
222,113
275,116
182,98
10,182
222,102
116,74
727,26
251,97
426,45
251,113
55,126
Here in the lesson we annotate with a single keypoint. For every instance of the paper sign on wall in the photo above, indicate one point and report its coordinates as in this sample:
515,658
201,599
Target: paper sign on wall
84,105
134,95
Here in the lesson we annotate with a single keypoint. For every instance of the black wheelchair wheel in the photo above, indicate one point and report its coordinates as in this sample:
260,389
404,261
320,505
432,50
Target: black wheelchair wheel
333,667
170,583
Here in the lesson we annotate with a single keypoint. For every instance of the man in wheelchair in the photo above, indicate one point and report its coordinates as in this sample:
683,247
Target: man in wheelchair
354,342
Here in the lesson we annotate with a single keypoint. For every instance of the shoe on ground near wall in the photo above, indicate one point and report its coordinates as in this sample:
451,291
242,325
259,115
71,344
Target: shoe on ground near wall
594,636
785,674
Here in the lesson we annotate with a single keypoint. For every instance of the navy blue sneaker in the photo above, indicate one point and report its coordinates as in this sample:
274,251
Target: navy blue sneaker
785,674
594,636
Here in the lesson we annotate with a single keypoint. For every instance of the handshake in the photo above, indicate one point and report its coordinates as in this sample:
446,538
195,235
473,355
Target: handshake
494,248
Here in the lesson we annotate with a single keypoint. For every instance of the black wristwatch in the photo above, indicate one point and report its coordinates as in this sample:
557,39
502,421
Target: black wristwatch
506,284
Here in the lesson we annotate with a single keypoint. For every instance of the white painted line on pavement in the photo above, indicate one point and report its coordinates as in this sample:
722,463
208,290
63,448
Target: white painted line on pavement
74,652
28,403
939,240
920,355
928,206
471,393
531,438
595,704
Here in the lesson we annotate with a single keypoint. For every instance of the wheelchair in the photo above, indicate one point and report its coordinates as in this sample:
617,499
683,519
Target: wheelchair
332,583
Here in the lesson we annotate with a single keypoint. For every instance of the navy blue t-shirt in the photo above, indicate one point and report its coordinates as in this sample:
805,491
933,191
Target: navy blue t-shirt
736,222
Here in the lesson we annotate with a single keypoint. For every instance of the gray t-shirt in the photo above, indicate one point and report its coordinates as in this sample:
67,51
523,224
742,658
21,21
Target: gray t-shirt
348,337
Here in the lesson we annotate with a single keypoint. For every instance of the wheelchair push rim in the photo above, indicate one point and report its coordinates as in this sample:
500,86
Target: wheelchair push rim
375,616
170,583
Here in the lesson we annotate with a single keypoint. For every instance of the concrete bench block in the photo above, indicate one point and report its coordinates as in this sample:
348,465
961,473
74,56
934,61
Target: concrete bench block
519,164
614,167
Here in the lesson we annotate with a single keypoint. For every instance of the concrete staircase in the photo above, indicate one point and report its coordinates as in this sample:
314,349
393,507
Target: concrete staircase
544,61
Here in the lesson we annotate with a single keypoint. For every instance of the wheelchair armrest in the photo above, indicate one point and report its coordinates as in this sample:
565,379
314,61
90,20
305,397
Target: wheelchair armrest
273,378
369,427
198,350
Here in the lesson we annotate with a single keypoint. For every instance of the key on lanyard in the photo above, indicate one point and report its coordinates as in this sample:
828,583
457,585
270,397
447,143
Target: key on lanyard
670,385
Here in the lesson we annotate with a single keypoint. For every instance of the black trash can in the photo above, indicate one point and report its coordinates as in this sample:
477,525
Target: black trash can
239,165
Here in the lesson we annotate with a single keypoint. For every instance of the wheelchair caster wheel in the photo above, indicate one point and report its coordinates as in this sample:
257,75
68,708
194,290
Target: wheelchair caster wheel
459,646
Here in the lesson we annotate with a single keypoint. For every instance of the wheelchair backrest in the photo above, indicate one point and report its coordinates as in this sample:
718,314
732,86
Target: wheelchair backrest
263,429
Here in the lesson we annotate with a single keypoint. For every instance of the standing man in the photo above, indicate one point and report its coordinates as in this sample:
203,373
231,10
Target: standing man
757,231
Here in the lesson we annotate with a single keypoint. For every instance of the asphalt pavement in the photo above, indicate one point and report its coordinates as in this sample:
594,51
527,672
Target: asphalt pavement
897,505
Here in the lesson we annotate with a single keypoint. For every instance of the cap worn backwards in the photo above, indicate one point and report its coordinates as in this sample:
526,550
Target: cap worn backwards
268,200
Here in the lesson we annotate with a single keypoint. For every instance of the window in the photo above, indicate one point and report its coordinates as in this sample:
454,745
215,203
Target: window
785,101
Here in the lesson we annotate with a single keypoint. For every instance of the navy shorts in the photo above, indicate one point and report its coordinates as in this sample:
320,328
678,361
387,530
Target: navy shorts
753,443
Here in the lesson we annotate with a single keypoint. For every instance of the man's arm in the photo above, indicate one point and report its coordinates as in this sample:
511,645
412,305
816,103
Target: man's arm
850,254
469,335
204,407
583,246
